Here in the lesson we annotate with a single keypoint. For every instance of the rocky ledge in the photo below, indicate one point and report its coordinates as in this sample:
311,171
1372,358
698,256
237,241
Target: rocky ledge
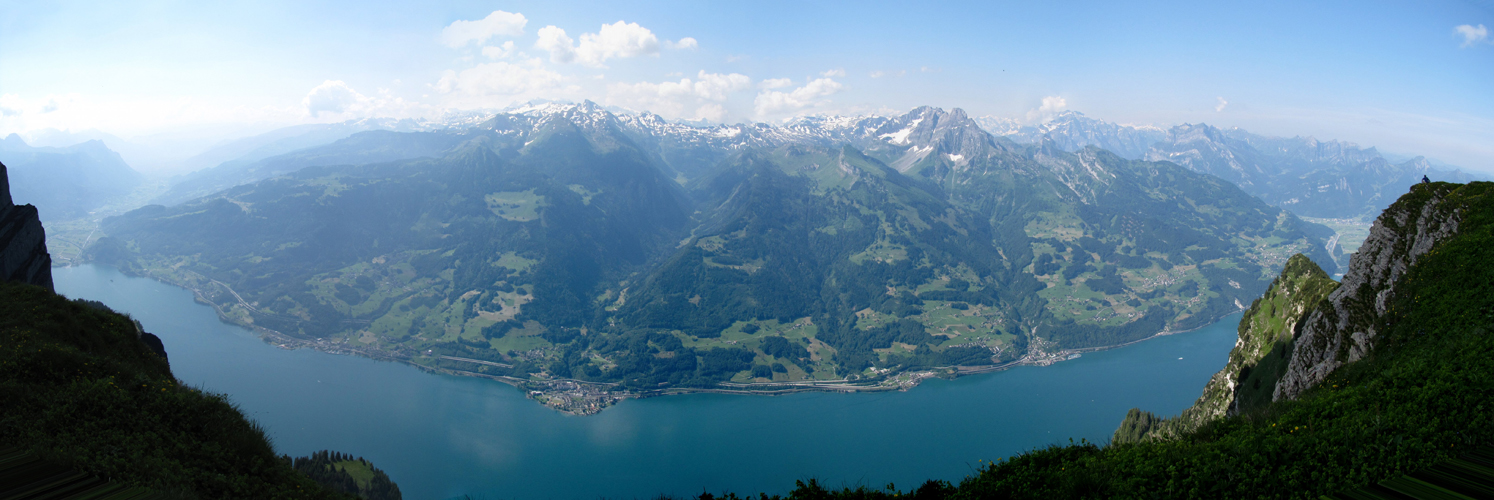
23,242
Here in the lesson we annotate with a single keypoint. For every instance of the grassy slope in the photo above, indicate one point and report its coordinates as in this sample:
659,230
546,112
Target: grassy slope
79,389
1423,395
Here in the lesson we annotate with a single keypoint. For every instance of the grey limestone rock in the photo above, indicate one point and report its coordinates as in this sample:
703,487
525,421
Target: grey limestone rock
1345,331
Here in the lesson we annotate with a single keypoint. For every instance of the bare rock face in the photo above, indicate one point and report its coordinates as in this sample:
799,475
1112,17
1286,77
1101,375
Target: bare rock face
1344,331
1265,332
23,242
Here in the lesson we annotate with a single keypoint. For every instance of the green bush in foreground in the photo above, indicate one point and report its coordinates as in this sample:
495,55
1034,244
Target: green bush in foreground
79,388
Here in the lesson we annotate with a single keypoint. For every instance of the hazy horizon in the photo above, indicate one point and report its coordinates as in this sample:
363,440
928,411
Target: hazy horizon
1407,79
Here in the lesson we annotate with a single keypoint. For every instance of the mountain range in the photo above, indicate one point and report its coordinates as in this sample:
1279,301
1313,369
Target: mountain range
1072,130
1311,178
67,182
568,241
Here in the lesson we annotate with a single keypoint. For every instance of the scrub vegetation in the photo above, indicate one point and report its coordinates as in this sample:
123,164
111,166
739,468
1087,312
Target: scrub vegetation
81,390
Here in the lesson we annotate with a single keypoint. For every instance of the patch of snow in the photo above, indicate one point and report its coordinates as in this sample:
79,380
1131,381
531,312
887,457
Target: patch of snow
955,158
900,137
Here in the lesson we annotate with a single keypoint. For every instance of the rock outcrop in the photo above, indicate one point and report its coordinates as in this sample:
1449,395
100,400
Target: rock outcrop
23,242
1343,329
1256,362
1306,326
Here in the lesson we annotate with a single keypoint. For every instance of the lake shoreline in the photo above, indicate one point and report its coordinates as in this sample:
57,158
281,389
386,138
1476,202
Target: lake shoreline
582,398
444,436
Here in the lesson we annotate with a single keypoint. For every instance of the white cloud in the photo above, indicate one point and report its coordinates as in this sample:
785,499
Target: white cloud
11,105
340,101
1052,105
686,43
1473,34
774,83
460,33
333,96
770,102
880,74
499,52
126,117
500,78
700,98
834,73
559,46
1220,107
182,121
713,112
619,39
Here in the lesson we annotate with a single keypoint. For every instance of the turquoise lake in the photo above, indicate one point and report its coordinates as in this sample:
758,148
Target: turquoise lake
442,436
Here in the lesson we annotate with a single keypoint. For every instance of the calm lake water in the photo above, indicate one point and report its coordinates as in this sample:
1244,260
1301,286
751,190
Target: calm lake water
442,436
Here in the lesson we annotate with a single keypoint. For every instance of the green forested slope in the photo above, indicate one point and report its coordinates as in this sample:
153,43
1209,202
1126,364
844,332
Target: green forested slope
561,245
80,389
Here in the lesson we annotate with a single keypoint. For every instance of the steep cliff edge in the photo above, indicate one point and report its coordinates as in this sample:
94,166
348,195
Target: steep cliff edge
82,391
1267,333
23,243
1345,328
1256,362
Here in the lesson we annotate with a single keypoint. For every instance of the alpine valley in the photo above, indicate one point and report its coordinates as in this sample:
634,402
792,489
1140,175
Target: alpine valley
588,255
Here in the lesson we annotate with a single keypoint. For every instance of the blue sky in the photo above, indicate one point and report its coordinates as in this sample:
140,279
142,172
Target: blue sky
1408,77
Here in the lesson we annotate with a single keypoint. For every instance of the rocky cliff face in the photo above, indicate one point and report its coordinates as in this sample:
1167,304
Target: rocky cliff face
1306,326
1256,362
23,243
1343,330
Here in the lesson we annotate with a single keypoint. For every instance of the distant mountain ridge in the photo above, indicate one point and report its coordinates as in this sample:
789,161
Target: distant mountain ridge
291,148
573,242
1312,178
1072,130
66,183
1329,179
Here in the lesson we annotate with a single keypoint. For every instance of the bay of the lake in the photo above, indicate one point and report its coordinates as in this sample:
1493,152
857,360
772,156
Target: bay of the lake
441,436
